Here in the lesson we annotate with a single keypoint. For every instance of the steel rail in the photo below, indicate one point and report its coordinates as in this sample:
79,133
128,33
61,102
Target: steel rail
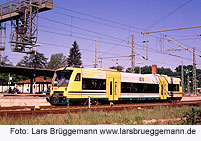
29,110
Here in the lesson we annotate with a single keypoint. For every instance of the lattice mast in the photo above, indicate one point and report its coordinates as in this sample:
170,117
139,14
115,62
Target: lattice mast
132,54
194,74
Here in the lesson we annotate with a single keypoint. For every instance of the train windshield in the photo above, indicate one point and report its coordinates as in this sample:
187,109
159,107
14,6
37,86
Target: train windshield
61,78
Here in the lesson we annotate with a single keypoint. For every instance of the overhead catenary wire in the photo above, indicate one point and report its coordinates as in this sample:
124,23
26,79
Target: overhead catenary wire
122,24
92,21
62,46
197,36
96,17
101,37
113,53
84,39
100,51
171,40
88,31
187,35
96,33
99,18
94,40
129,26
64,30
152,50
116,45
79,28
187,38
167,15
179,41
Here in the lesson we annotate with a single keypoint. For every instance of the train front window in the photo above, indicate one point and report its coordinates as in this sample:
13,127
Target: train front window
62,78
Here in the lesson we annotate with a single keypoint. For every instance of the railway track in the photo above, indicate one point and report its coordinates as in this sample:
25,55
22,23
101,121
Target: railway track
29,110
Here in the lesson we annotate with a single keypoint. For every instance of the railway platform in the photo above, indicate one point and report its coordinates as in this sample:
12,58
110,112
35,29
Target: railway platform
190,97
9,100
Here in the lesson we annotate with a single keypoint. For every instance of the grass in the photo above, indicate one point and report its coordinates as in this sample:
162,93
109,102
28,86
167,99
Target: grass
125,117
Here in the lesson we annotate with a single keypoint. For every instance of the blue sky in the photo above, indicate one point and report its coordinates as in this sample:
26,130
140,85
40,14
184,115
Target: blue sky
71,17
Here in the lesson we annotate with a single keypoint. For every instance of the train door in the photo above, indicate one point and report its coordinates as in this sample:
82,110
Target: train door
163,87
113,86
75,85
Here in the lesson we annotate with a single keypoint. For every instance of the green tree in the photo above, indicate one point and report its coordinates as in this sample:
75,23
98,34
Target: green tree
165,71
5,61
198,74
74,58
28,61
4,76
15,78
57,60
118,68
137,69
188,72
146,70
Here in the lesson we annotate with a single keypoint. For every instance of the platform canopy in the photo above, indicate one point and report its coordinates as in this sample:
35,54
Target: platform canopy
26,71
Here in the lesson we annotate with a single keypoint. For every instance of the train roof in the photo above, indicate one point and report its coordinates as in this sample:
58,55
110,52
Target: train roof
139,78
100,73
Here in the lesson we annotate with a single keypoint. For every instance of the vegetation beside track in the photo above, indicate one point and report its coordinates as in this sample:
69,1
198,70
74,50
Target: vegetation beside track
183,115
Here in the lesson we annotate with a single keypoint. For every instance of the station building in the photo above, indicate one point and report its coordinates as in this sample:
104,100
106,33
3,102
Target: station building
42,85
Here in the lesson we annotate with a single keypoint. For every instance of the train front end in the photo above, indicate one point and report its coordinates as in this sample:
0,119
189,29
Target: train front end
59,87
66,86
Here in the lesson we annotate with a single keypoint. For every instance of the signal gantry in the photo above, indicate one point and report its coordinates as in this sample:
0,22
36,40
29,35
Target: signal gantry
23,15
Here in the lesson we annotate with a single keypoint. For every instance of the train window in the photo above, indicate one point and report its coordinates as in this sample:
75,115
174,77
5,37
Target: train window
84,85
110,87
93,84
173,87
162,90
77,78
115,90
61,78
139,88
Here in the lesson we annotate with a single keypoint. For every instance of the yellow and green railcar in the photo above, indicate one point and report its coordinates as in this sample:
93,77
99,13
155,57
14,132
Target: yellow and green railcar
76,85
